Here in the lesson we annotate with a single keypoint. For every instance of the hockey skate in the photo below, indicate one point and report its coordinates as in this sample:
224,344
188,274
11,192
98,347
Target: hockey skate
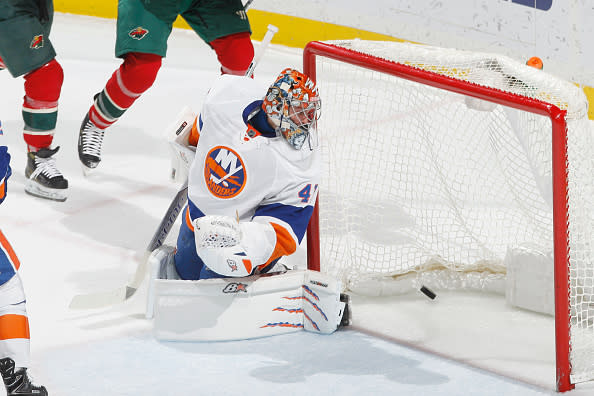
90,140
347,311
18,382
43,178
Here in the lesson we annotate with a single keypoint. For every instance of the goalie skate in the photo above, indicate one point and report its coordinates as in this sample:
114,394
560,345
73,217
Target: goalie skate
346,319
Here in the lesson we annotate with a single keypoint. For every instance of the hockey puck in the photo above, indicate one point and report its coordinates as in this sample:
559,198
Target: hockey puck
426,291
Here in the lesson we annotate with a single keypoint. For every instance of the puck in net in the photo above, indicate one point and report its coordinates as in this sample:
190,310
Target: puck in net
426,291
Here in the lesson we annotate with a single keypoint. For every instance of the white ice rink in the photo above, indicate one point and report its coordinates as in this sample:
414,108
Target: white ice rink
93,241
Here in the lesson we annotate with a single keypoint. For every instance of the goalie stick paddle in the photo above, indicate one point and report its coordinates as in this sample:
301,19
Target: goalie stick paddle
106,298
121,294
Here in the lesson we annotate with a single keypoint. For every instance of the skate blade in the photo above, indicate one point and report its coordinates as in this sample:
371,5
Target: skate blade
86,170
33,188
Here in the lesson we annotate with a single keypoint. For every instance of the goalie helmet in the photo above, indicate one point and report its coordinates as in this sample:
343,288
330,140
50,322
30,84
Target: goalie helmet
293,105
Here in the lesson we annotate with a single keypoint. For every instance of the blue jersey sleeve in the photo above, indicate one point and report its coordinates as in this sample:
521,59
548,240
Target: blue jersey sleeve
5,171
296,217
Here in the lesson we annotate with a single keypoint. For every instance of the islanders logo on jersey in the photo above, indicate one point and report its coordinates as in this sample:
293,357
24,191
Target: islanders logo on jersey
37,42
224,172
138,33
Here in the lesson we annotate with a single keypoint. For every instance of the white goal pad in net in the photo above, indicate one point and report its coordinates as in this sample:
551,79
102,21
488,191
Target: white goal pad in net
438,161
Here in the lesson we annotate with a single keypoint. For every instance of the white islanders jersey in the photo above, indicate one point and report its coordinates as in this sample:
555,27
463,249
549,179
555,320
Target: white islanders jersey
237,172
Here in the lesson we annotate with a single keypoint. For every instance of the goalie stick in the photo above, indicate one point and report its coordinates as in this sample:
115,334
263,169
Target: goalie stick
270,32
101,299
121,294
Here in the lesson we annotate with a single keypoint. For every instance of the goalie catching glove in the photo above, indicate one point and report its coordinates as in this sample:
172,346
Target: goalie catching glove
231,248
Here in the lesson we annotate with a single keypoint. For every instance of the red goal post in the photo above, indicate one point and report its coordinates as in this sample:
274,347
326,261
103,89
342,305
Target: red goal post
525,96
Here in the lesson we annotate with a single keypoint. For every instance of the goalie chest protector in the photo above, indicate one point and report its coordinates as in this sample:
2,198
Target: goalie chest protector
233,173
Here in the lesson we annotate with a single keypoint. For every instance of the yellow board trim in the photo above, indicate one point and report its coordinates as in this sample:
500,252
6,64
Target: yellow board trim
293,31
102,9
589,91
296,32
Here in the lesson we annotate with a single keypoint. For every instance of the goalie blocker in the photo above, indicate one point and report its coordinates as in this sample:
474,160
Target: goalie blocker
241,308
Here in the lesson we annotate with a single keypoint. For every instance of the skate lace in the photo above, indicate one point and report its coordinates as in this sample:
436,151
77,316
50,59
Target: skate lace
45,166
92,139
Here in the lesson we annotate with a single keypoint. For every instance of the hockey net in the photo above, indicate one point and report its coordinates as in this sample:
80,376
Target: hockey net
437,161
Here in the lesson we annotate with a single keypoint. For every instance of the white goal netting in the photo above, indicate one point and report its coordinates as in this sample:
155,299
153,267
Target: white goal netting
418,178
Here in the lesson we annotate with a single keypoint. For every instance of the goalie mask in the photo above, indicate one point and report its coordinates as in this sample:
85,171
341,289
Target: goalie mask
293,105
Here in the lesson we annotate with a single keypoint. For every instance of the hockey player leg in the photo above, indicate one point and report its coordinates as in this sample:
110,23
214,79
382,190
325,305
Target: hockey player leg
235,52
325,308
250,307
134,76
14,342
40,111
27,51
222,309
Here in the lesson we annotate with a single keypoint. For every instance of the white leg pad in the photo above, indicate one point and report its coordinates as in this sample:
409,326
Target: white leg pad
12,302
243,308
322,309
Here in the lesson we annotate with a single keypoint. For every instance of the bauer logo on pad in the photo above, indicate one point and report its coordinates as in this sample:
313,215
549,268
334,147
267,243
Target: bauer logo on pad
224,172
235,287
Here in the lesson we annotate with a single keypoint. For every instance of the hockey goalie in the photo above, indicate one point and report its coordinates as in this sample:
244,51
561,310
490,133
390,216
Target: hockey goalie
252,165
